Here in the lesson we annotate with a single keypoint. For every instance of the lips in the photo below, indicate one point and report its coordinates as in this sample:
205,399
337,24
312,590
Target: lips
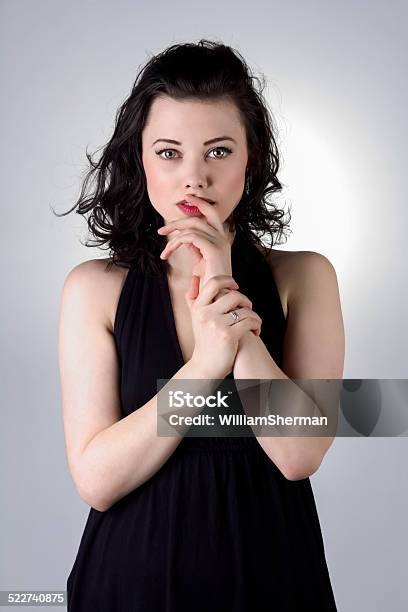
206,199
199,197
189,210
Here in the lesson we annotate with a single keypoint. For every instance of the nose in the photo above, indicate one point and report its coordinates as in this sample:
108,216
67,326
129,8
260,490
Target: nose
196,184
196,177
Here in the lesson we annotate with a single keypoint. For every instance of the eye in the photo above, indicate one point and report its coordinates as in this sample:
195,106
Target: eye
224,149
164,151
227,149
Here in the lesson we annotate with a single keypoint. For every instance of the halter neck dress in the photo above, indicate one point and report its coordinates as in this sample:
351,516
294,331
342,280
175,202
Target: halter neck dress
217,528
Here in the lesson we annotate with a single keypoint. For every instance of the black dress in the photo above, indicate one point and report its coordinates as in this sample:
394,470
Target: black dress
217,528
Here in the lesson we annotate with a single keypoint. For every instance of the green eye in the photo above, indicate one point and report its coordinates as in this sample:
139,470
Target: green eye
225,149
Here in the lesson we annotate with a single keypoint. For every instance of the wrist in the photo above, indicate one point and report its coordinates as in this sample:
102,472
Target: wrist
202,371
245,356
248,339
218,268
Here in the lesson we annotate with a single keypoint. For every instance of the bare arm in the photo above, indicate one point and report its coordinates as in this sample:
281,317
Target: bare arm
314,347
108,456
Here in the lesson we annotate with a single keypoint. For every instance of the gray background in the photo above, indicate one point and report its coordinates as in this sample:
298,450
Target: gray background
339,95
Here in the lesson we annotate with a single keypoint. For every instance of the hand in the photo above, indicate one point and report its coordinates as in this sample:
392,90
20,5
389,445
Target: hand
216,335
207,237
224,291
210,242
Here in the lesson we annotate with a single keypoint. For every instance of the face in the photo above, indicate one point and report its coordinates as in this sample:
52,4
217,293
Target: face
215,170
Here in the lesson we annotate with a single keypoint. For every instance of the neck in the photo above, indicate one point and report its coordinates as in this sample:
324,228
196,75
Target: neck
180,264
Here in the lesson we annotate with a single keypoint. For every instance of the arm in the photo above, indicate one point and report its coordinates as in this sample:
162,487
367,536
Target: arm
108,456
313,349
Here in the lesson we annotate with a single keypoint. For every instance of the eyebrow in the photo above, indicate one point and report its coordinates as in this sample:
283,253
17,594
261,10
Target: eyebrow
207,142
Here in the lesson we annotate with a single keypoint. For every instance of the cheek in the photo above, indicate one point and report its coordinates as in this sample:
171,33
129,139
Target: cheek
150,172
233,187
239,182
235,183
156,180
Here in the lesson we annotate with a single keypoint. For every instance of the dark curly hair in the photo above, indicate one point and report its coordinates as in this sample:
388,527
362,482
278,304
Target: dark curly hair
121,214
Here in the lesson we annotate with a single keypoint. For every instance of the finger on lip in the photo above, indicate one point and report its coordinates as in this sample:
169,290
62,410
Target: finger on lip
170,225
196,199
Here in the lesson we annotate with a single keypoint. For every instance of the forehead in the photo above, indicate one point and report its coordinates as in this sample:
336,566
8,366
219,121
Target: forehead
182,115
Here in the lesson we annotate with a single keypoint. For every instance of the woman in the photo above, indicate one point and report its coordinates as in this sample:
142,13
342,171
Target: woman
192,523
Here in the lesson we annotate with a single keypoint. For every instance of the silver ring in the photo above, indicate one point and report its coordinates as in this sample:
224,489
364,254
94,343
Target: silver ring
235,316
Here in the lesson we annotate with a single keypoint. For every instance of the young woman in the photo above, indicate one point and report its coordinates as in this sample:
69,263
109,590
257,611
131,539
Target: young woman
190,292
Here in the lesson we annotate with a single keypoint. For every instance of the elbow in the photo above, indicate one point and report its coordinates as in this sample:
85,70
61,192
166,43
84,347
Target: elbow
295,473
299,470
92,482
92,493
100,507
92,498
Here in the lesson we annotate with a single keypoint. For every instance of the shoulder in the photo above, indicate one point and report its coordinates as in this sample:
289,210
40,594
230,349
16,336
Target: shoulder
294,270
92,282
315,337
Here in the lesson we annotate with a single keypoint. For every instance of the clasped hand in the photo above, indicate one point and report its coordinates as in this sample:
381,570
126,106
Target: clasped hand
212,295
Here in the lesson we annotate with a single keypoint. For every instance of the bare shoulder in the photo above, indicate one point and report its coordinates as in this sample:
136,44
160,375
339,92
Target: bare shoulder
283,266
94,280
292,268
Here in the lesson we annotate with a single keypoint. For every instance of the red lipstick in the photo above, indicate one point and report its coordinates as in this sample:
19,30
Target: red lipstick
192,211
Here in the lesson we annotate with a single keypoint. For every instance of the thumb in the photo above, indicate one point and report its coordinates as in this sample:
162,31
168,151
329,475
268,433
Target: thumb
193,290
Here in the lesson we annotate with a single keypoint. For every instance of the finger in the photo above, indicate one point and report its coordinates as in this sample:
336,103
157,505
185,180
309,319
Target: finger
192,222
193,290
212,287
231,300
230,234
203,244
208,210
239,329
222,292
242,317
196,253
243,313
187,232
